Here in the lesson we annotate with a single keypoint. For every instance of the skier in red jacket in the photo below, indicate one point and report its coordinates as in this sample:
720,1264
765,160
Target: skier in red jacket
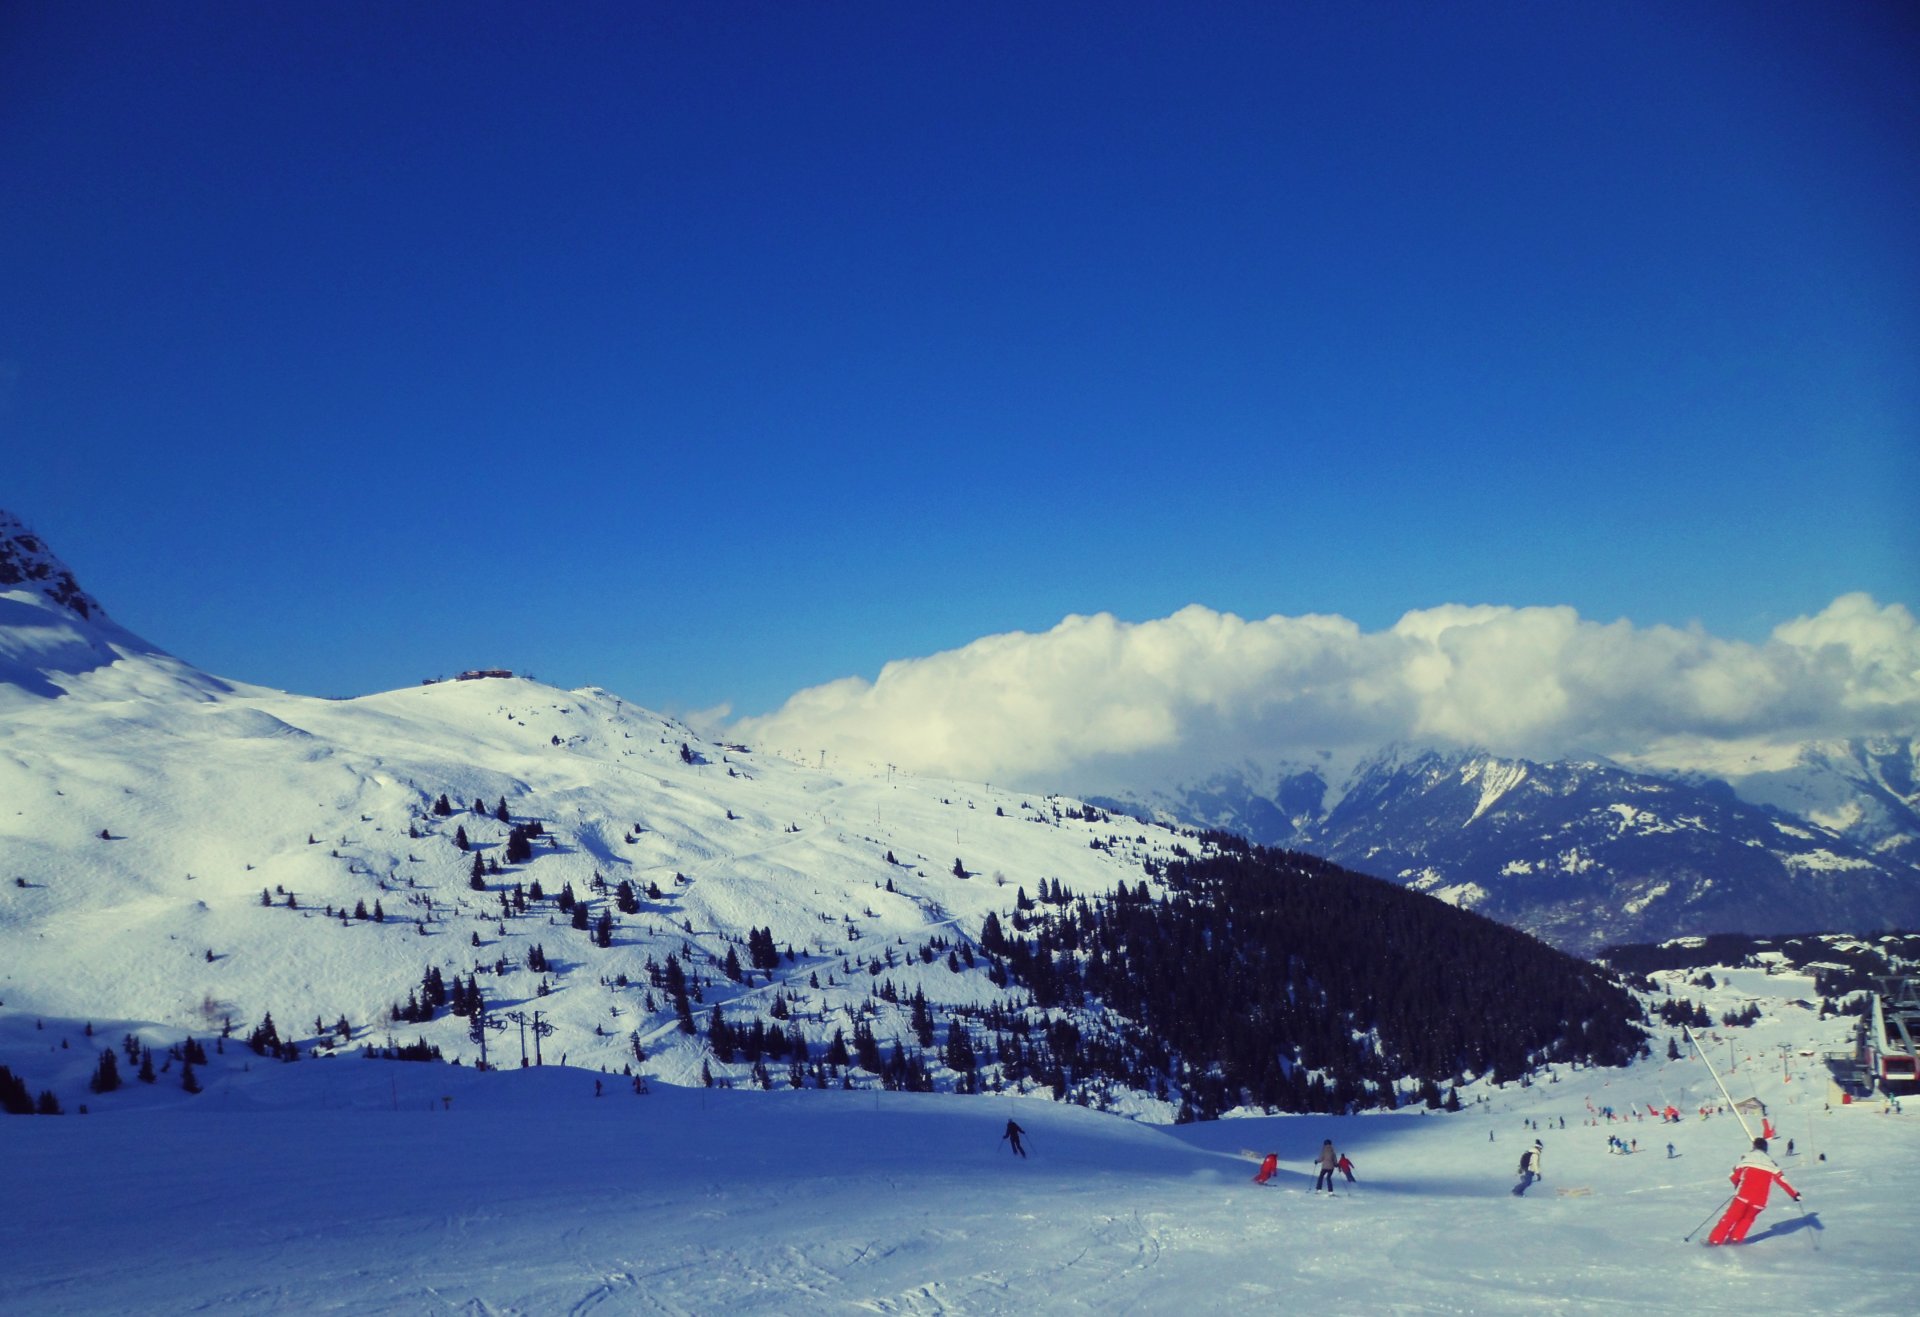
1753,1180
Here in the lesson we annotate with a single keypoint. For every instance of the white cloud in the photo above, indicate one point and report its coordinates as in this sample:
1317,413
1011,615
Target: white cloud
1097,703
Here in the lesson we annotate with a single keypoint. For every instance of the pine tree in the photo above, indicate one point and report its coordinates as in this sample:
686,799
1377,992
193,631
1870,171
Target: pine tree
460,837
500,811
15,1100
519,845
106,1077
477,875
674,980
922,1019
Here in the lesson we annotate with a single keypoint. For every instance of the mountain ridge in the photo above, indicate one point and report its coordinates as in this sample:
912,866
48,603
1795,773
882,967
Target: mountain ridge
1586,851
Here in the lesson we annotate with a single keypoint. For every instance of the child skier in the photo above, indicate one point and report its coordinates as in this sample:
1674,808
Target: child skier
1346,1167
1752,1180
1268,1165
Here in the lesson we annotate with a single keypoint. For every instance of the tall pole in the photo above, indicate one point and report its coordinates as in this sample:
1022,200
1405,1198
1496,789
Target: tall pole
1738,1114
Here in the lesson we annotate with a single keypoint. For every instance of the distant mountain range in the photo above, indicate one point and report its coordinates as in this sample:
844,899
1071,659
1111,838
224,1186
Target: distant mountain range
1583,853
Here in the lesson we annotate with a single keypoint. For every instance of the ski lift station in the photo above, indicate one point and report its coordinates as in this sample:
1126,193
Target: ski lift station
1893,1059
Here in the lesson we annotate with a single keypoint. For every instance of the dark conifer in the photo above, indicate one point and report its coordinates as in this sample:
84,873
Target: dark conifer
106,1076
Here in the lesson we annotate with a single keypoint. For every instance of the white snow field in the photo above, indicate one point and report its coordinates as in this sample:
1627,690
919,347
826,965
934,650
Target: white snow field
347,1185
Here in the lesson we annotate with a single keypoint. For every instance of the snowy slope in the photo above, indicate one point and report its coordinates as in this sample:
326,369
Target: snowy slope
186,852
209,803
373,1187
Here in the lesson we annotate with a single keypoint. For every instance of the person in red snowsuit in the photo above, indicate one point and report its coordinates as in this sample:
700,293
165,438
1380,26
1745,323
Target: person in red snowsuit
1268,1165
1753,1180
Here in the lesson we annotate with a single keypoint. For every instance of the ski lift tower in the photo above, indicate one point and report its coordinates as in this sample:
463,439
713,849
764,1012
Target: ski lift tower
1893,1035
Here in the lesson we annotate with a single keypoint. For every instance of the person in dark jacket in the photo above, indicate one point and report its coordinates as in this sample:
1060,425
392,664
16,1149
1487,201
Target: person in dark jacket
1013,1136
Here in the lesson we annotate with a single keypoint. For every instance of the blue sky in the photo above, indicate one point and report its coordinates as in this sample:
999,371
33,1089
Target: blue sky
710,352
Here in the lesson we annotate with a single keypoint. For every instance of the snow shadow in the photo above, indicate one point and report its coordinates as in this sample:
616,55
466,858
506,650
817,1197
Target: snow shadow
1791,1226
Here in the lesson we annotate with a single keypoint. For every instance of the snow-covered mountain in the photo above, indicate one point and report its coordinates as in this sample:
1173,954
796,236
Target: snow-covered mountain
184,855
1588,852
188,851
56,639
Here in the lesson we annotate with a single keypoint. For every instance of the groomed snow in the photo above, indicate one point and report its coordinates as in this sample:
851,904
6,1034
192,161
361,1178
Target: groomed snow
347,1185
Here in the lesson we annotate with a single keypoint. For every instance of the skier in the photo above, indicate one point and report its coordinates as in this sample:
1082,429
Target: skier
1527,1176
1752,1180
1346,1167
1539,1161
1328,1161
1013,1136
1268,1165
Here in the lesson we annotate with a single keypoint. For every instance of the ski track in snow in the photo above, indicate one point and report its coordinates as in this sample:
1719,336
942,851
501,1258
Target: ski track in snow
350,1186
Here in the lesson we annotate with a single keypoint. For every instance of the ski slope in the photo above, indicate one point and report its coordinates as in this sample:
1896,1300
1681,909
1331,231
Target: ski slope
346,1185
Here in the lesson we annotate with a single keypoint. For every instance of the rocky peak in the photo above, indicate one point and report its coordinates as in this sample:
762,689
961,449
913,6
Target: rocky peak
26,562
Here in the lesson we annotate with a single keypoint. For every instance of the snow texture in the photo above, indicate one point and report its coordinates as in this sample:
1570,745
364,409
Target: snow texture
345,1185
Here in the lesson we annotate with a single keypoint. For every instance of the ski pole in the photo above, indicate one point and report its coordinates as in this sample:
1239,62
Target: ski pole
1688,1237
1716,1079
1814,1238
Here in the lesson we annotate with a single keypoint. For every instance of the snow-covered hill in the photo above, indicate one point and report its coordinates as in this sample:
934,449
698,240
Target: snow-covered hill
1588,852
186,852
346,1185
